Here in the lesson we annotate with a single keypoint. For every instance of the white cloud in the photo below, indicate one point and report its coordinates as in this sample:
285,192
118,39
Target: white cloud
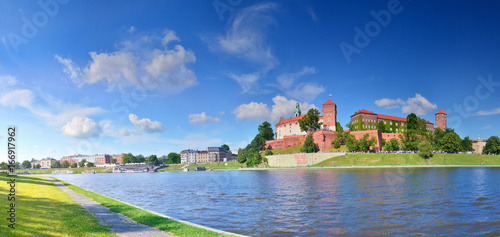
146,124
282,107
253,110
7,81
51,150
142,63
491,112
169,36
81,127
418,105
248,82
202,119
301,91
22,98
245,37
131,30
124,132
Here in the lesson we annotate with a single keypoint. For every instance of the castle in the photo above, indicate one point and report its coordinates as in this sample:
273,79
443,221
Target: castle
288,133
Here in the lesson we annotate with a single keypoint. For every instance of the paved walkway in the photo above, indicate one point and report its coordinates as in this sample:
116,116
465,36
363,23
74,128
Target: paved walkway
118,223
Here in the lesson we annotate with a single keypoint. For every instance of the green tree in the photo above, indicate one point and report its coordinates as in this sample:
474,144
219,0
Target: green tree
242,157
153,159
339,127
113,161
492,146
17,165
254,159
226,147
90,164
81,163
26,164
425,149
140,159
310,121
164,159
339,139
351,142
392,145
451,142
309,145
4,166
173,158
349,126
65,164
366,142
266,131
268,153
467,144
73,165
56,164
438,137
38,166
133,159
126,158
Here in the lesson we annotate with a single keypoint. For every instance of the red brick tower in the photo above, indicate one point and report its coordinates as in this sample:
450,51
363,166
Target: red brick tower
441,120
330,115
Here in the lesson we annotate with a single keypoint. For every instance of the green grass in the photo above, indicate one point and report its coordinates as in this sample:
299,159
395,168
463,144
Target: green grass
408,159
343,148
172,167
44,210
144,217
75,170
220,166
290,150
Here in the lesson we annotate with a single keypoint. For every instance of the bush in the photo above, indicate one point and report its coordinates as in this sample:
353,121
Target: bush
268,153
425,149
241,157
492,146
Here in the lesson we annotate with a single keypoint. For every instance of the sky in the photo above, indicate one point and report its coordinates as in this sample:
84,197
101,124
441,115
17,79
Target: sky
154,77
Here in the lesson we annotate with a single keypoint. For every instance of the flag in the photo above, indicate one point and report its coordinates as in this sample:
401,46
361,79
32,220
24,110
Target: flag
330,95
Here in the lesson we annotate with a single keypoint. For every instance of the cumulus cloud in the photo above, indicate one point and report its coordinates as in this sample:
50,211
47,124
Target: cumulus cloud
282,107
147,63
81,127
146,124
202,119
491,112
418,105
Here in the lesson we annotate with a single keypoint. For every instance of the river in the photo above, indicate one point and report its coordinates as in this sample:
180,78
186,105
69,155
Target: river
317,202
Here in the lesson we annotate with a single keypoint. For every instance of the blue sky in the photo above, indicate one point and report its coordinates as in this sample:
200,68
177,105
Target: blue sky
160,76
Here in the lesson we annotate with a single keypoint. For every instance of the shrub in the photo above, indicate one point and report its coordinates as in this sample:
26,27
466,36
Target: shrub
425,149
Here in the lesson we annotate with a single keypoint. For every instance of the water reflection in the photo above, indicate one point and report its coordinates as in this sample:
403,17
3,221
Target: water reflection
317,202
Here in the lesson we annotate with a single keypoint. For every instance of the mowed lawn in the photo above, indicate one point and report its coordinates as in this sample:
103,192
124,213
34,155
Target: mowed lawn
44,210
409,159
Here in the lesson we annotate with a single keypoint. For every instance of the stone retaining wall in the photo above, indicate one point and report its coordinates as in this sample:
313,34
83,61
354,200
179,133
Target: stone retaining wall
299,159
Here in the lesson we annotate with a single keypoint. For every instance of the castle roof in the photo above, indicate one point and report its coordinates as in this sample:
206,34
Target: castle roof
386,117
329,102
363,111
293,119
441,112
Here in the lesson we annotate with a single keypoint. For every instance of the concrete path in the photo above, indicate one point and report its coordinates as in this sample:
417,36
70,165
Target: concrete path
118,223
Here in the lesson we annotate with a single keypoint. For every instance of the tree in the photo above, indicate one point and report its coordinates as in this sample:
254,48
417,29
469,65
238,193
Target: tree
73,165
310,121
140,159
126,158
66,164
82,163
163,159
451,142
17,165
467,144
339,127
153,159
266,131
492,146
425,149
438,137
351,142
241,157
57,164
366,142
349,126
38,166
26,164
392,145
4,166
340,138
173,158
90,164
309,145
226,147
254,159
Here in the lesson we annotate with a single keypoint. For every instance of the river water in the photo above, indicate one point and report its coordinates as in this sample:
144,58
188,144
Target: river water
317,202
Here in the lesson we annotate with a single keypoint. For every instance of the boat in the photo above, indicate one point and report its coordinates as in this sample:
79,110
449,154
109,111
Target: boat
185,169
200,168
89,172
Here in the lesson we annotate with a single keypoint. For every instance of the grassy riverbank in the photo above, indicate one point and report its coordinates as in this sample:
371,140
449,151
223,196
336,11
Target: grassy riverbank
75,170
409,159
43,210
143,216
232,165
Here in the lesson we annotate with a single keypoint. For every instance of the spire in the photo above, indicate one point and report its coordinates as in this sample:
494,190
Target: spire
297,110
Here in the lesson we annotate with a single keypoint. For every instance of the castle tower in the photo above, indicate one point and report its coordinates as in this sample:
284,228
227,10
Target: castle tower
330,115
441,120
